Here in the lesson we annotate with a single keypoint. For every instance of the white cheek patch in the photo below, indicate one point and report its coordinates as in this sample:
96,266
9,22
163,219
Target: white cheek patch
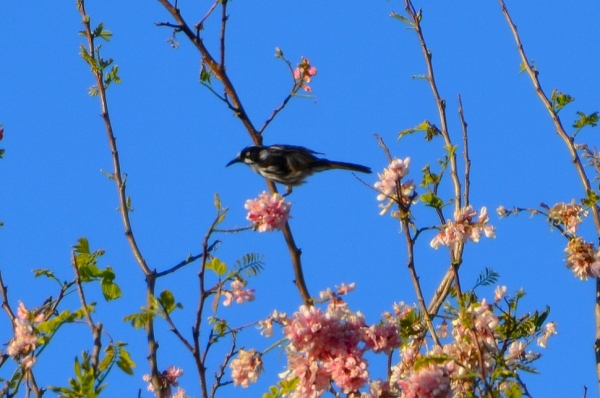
263,154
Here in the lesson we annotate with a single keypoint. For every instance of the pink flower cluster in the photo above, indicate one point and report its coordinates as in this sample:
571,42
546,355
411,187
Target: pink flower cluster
23,344
430,381
304,73
246,368
474,349
583,259
567,215
237,293
390,184
329,346
167,380
463,228
268,212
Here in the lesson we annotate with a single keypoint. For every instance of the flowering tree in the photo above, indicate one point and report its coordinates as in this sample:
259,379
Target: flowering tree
460,343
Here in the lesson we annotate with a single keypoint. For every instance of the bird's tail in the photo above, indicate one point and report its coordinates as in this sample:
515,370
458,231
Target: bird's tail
324,164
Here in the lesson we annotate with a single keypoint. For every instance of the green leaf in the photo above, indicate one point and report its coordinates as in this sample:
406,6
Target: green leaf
586,120
250,264
513,391
43,272
430,130
110,290
205,75
432,200
486,278
591,200
560,100
138,320
218,266
217,201
167,301
125,363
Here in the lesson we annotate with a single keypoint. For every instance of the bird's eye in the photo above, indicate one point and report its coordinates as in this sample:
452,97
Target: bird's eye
247,154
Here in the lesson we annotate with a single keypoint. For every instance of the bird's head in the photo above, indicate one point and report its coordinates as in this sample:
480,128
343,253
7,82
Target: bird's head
248,155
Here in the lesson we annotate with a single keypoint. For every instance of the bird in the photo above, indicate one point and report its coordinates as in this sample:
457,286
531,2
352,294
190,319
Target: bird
289,165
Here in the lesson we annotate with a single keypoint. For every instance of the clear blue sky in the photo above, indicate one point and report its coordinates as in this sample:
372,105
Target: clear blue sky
175,138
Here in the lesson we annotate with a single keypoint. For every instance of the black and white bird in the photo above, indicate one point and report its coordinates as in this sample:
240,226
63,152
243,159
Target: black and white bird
288,164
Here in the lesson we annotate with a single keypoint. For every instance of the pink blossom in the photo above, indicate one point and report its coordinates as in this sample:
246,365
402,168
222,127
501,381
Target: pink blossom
24,342
567,215
548,331
345,289
180,393
268,212
377,389
499,293
246,368
238,293
430,381
313,378
349,372
515,352
167,379
582,258
389,181
304,73
382,338
463,228
442,329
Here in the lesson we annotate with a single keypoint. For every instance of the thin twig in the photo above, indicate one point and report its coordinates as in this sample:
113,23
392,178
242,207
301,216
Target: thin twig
123,206
569,141
187,261
455,255
465,152
232,96
96,329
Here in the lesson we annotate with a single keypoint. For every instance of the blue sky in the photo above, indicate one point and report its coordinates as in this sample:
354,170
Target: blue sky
175,138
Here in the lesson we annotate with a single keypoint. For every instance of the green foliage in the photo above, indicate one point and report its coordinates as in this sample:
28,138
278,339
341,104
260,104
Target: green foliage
86,261
220,326
48,328
101,33
216,265
486,278
430,182
411,325
560,100
432,200
161,306
96,62
283,389
250,264
205,75
89,377
591,199
585,120
430,130
167,301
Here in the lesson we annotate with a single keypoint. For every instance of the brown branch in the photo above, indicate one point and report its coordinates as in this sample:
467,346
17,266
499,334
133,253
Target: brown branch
465,152
455,255
123,206
5,304
95,328
569,141
235,102
216,69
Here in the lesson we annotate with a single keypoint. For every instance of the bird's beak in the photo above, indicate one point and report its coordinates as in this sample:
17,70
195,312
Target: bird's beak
236,160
